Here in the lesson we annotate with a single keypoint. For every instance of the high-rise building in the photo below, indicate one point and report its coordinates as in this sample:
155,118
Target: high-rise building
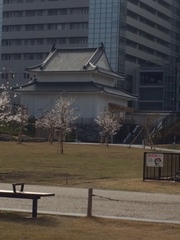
107,24
152,47
140,34
141,38
1,9
31,27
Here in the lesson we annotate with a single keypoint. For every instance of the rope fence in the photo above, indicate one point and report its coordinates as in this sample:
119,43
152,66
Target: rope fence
91,195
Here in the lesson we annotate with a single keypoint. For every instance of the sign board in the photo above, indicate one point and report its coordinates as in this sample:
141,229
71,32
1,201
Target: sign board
154,160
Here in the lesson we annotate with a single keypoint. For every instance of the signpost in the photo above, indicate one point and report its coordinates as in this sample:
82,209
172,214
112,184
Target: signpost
154,160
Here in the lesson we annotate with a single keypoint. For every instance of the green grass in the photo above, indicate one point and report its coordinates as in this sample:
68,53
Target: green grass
39,162
81,165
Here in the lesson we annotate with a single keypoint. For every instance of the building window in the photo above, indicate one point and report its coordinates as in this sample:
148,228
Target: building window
62,40
15,42
15,28
30,28
12,14
147,22
78,40
30,13
148,8
146,35
16,56
79,11
51,41
146,49
132,29
130,58
54,12
131,43
78,25
5,57
132,14
39,27
163,29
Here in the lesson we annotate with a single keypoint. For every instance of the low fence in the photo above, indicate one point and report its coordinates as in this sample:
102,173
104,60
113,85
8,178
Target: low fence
90,200
161,166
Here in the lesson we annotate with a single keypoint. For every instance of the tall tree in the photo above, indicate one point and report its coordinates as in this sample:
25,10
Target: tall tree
109,124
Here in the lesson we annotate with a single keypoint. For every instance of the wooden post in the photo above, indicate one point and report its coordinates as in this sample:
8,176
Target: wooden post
90,195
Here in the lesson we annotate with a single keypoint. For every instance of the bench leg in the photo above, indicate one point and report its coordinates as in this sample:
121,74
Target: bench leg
34,208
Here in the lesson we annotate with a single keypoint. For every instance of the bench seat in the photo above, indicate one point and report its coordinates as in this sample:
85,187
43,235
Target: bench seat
26,195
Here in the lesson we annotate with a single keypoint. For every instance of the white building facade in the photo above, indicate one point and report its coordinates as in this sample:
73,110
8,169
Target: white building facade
83,74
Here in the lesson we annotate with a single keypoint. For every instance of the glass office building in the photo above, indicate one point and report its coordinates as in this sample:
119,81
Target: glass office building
136,34
107,24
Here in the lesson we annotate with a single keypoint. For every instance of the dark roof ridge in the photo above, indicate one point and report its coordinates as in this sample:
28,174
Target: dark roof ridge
25,85
77,49
48,58
95,57
41,65
114,87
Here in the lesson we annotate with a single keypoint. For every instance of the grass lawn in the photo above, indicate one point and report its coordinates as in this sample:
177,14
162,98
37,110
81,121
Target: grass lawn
81,165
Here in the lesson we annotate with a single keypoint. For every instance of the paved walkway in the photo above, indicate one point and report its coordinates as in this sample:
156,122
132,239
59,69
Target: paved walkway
106,203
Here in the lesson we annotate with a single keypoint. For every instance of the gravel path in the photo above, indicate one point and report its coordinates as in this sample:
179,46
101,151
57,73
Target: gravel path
106,203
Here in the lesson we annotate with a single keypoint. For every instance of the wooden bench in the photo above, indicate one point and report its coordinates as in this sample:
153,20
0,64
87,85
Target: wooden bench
15,193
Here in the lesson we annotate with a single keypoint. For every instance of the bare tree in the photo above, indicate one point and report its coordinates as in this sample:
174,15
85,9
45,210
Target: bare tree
109,124
60,118
148,124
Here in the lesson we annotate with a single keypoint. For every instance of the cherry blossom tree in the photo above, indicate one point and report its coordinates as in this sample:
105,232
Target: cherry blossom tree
5,106
10,114
21,117
60,119
109,124
46,121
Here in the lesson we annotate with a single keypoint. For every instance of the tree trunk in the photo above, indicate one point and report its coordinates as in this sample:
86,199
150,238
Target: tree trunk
62,150
20,135
107,141
60,145
50,138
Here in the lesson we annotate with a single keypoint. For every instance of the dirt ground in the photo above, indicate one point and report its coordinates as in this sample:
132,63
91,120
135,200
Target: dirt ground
18,226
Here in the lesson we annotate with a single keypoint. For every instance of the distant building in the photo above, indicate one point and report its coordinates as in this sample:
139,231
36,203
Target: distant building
84,74
136,33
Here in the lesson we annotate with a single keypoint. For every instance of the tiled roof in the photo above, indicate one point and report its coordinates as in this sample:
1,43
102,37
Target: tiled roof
58,87
116,91
76,60
72,87
65,60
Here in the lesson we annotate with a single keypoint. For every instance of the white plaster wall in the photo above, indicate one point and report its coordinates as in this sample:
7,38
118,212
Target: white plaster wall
36,103
105,99
88,105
